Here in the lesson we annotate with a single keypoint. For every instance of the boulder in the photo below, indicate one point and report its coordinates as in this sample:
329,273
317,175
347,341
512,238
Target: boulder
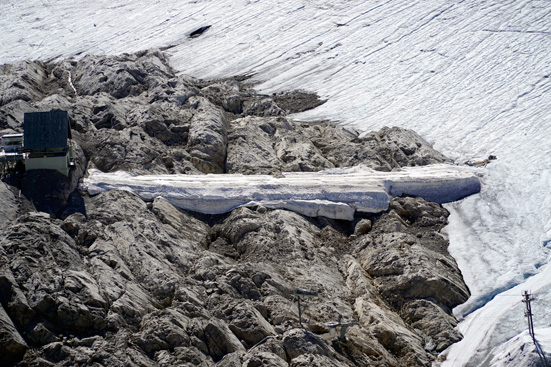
264,359
12,345
437,324
250,146
264,107
121,76
220,339
8,205
306,360
247,323
23,81
208,138
299,341
362,227
163,330
408,148
191,228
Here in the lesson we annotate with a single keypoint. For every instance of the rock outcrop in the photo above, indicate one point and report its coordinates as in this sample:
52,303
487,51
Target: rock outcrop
112,280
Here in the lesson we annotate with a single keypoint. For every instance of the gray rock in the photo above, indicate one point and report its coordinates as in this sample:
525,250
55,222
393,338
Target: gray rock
437,324
250,148
408,148
299,153
24,81
208,138
231,360
12,345
306,360
362,227
220,339
264,359
121,76
163,330
113,280
247,323
8,207
300,341
264,107
189,227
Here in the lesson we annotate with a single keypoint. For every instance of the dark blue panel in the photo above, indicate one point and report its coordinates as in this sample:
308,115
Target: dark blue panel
46,130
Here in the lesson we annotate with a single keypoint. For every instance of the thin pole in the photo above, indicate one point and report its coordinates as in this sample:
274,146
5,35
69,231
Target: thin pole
528,313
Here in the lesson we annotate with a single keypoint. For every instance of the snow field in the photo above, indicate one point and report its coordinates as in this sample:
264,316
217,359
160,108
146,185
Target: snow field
473,77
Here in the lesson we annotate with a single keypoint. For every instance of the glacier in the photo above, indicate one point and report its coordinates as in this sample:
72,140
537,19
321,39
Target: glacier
473,77
335,193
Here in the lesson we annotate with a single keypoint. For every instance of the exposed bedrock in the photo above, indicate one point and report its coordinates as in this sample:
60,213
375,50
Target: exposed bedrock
112,280
138,284
134,113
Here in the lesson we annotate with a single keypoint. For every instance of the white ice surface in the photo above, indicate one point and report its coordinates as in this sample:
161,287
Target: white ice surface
521,351
336,193
472,76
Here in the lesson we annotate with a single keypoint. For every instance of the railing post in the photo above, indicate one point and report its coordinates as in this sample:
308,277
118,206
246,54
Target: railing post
528,313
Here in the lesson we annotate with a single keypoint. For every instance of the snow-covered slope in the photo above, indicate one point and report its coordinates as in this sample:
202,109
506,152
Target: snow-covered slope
471,76
522,352
336,193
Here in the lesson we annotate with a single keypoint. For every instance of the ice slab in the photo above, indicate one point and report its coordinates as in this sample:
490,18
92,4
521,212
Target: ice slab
336,193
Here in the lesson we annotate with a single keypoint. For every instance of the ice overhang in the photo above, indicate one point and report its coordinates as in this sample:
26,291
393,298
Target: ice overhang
335,193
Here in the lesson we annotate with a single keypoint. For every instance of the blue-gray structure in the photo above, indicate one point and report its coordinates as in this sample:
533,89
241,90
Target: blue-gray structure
46,131
45,141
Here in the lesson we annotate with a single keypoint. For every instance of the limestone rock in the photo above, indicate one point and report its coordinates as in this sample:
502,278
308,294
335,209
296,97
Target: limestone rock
112,280
220,339
247,323
297,101
250,148
190,227
438,326
299,341
208,138
24,81
12,345
315,360
298,153
163,330
264,107
362,227
408,148
8,205
262,359
231,360
120,76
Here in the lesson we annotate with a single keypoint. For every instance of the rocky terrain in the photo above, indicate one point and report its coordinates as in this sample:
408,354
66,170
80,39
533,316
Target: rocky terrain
111,280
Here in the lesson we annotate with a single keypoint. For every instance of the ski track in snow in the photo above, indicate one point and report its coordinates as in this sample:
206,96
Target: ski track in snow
471,76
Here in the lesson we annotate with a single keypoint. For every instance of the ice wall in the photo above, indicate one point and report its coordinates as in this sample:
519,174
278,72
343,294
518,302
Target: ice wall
336,193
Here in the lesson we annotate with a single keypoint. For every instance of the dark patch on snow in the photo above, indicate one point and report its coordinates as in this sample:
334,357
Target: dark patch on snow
199,31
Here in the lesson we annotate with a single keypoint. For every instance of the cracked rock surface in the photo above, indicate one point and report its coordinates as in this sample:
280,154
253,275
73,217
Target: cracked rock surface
112,280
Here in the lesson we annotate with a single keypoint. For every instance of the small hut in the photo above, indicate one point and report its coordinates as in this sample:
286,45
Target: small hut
45,141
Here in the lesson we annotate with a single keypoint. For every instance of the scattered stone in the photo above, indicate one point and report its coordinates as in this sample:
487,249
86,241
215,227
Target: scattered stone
362,227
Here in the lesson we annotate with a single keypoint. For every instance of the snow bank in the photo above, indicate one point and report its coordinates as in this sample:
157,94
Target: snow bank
336,193
521,351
